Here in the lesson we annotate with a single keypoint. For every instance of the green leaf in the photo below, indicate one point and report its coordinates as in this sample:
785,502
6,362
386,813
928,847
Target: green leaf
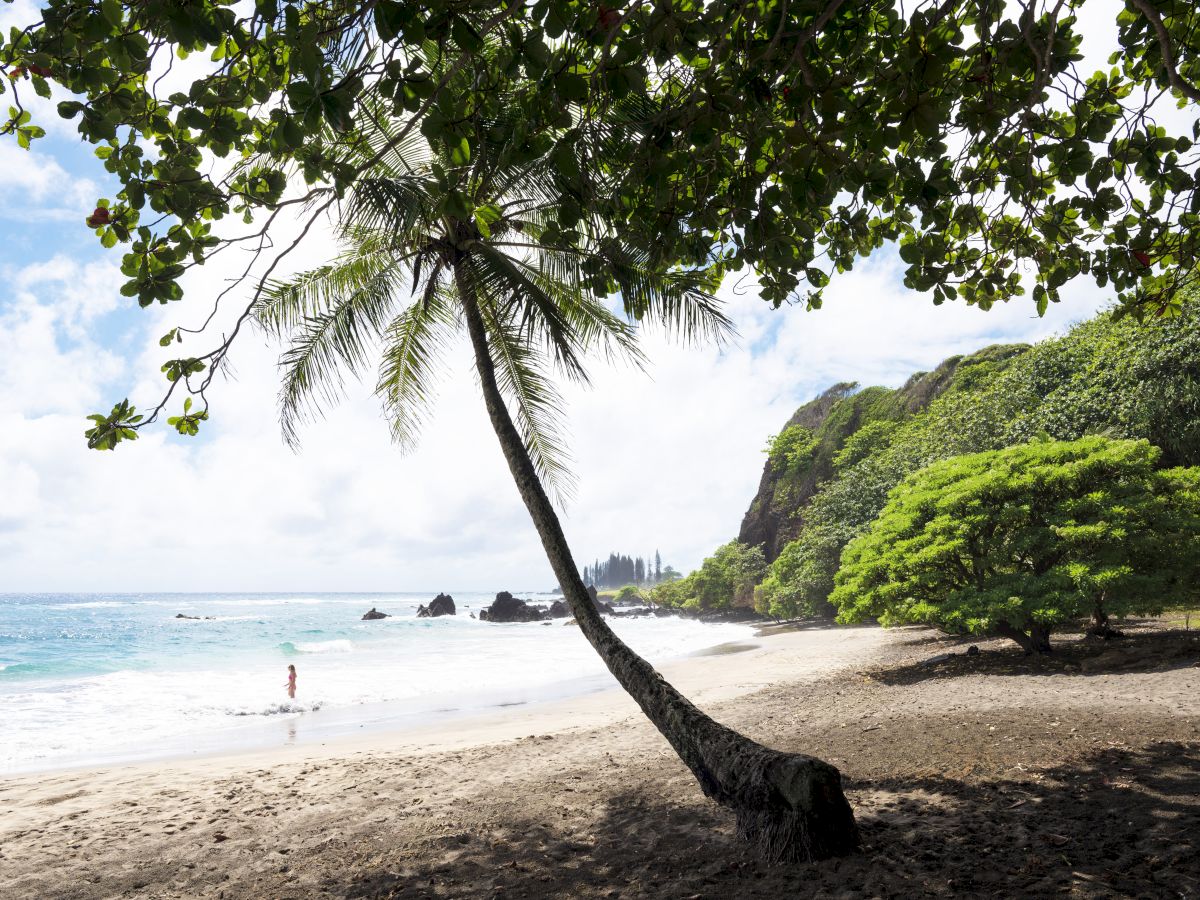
460,152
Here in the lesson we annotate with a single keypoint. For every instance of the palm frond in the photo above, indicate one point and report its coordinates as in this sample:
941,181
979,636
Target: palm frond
679,301
593,326
414,348
285,305
401,206
525,307
327,345
522,378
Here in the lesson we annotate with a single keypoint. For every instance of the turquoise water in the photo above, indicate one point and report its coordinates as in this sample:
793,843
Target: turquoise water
88,678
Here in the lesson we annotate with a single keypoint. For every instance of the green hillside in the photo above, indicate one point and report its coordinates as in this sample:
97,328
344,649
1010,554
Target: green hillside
829,471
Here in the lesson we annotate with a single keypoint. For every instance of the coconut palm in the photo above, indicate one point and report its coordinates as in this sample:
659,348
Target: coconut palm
437,238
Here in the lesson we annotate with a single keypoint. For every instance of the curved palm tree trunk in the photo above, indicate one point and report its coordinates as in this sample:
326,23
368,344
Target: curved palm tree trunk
788,805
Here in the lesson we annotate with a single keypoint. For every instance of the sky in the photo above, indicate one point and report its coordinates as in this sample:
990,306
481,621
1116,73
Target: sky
667,460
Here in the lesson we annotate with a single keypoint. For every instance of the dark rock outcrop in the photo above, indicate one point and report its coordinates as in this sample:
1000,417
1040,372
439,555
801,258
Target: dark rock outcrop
559,609
507,608
373,614
600,604
441,605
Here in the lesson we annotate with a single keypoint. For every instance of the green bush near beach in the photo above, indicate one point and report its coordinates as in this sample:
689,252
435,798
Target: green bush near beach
1020,541
727,578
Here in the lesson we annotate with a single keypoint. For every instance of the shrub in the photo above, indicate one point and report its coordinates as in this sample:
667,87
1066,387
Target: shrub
629,594
727,578
1016,542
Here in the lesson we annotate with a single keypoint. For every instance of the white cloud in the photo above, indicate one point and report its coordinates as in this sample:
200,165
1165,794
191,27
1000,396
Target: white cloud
34,185
666,460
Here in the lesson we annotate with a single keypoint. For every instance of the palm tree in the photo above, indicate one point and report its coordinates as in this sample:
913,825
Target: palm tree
440,236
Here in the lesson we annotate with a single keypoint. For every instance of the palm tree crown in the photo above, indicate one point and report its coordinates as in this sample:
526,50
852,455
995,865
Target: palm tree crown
429,228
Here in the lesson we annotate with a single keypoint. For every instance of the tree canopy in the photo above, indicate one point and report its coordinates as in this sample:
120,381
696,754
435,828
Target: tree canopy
726,578
1020,540
1118,379
790,137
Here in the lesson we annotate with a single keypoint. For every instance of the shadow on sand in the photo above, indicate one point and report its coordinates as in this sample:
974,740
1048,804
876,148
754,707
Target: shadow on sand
1121,823
1136,651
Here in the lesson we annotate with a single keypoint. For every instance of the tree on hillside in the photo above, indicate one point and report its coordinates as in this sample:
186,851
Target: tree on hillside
416,268
725,579
1017,542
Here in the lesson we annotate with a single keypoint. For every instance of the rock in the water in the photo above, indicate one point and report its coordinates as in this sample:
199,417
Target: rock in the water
182,616
441,605
600,604
373,614
663,611
507,608
559,609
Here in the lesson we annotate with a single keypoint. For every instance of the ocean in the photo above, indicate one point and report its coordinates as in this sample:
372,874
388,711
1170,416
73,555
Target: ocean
89,679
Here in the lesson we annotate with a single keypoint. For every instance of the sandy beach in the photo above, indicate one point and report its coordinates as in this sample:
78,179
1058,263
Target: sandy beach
983,775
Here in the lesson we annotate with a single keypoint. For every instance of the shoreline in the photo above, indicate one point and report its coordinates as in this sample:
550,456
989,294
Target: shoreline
415,687
458,729
585,799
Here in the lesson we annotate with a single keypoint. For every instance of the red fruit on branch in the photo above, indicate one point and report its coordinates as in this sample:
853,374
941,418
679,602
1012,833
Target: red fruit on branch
1143,257
40,70
16,72
100,216
608,18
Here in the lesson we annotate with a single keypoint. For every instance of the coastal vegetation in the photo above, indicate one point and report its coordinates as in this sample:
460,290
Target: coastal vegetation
1019,541
1103,377
840,520
727,578
620,570
509,169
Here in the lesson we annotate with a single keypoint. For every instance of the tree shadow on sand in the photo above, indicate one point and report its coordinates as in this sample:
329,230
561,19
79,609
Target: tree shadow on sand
1137,651
1121,823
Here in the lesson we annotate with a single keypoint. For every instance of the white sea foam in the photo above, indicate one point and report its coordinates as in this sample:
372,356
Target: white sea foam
178,687
289,707
339,646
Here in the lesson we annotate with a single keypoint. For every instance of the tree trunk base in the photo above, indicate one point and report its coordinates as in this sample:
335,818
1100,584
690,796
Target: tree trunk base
1035,641
798,812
